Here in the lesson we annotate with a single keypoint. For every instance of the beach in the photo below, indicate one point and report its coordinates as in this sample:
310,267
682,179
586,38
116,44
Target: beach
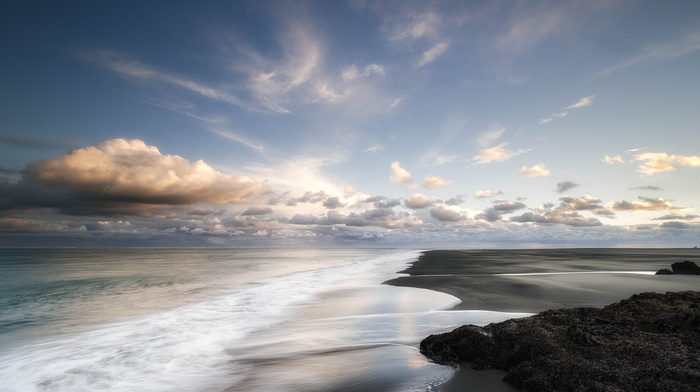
537,280
297,320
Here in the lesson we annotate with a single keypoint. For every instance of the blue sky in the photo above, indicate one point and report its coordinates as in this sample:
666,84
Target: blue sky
350,123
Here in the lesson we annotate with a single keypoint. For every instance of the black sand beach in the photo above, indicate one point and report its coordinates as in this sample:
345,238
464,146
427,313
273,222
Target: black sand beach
539,280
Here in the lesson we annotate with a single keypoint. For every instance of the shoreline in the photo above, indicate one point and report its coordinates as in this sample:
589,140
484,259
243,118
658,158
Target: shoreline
484,280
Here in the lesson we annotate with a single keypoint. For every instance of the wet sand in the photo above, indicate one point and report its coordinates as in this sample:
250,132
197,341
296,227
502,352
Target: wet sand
538,280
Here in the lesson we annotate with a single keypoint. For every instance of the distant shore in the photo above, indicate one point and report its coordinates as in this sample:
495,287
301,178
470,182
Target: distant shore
538,280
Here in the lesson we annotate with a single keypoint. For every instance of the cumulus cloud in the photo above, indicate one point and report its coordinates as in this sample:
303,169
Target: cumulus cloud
645,204
418,201
382,202
455,201
496,154
535,171
435,182
333,202
129,171
483,194
613,160
433,53
257,210
447,214
654,163
565,186
495,213
582,203
400,176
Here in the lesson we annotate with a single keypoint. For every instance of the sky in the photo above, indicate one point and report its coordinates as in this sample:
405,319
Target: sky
474,124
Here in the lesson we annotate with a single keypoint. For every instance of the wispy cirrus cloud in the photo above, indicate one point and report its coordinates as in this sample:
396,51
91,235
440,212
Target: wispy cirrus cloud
433,53
255,145
583,102
496,154
127,66
688,44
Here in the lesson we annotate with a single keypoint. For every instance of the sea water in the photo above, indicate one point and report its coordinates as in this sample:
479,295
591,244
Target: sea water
218,320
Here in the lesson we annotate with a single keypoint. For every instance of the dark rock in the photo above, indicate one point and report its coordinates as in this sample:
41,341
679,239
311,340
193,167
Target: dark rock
649,342
686,268
664,271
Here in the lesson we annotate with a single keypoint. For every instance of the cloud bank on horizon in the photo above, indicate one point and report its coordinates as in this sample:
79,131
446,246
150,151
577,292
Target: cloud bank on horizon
356,123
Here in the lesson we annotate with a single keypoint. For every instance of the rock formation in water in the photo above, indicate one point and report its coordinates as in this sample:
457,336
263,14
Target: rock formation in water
649,342
681,268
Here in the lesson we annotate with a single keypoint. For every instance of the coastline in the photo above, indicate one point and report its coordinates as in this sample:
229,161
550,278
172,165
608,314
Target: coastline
538,280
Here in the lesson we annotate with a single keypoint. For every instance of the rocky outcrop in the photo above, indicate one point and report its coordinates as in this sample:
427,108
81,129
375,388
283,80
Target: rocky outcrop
681,268
685,268
649,342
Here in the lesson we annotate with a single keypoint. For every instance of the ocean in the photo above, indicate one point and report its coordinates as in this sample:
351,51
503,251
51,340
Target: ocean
218,320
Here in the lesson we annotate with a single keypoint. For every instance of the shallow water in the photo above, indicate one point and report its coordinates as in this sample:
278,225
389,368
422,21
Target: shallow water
217,319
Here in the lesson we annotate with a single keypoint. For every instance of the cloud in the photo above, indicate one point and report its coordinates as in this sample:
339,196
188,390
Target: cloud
483,194
375,148
433,53
36,144
565,186
661,162
333,202
686,45
396,102
380,217
435,182
613,160
648,188
455,201
491,135
446,214
382,202
126,66
496,154
257,146
646,204
582,203
411,25
677,217
678,225
418,201
535,171
400,176
581,103
528,26
352,73
257,210
131,172
550,217
495,213
509,206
